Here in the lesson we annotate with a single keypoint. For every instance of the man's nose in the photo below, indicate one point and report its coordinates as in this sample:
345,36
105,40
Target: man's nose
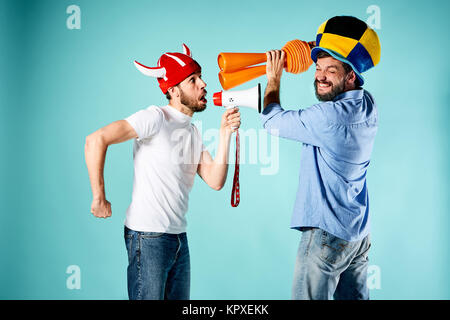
320,76
202,83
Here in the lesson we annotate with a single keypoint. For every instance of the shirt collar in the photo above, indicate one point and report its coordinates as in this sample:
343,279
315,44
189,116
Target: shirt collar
178,114
352,94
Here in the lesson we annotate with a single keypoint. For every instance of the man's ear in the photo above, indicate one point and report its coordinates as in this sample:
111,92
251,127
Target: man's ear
351,79
174,91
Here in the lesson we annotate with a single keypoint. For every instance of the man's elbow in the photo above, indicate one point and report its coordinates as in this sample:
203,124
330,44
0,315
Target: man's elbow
90,141
94,140
272,126
267,125
267,121
217,187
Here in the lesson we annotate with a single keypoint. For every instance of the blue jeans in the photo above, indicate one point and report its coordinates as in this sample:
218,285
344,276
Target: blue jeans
158,265
328,267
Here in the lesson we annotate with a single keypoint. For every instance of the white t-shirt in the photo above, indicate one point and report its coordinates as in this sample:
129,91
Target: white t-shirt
166,156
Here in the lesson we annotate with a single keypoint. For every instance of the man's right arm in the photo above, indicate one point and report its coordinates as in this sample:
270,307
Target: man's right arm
274,70
301,125
95,152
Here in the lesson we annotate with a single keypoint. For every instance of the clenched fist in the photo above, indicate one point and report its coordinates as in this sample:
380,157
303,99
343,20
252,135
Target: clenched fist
101,208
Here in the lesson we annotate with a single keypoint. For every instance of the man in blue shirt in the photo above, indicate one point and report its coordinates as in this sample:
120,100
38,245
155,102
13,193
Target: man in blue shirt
338,133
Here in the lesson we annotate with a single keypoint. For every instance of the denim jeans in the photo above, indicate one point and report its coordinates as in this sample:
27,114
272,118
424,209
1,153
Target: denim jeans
158,265
328,267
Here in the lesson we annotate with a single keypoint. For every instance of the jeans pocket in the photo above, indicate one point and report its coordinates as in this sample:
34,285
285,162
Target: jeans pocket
334,249
150,235
129,245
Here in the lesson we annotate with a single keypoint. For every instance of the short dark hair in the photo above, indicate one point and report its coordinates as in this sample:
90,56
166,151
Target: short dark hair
347,67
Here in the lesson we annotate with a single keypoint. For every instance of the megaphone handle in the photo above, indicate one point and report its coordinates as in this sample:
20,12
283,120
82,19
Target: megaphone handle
235,192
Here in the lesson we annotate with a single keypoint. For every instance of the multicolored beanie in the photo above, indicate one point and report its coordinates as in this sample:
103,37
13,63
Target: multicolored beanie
349,40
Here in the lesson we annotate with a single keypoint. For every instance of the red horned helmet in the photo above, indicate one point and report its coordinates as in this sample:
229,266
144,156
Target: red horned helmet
173,67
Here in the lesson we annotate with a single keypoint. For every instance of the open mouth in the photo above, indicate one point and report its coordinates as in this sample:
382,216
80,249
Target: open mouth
323,85
203,98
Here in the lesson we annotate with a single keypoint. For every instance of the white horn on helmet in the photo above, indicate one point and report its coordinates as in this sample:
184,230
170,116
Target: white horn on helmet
158,72
187,51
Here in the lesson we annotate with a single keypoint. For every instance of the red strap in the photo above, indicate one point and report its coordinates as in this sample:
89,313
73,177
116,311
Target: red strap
235,193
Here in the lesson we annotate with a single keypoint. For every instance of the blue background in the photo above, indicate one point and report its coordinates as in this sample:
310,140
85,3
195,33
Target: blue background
59,85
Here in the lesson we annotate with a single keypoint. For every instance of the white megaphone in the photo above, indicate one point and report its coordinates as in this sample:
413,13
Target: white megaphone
250,98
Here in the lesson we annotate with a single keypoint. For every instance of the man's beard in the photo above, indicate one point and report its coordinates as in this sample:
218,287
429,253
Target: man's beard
192,103
335,91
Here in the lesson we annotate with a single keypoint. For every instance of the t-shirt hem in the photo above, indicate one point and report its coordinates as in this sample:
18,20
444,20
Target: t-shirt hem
155,229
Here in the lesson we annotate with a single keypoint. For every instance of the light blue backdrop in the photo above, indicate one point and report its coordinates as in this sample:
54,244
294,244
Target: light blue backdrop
58,85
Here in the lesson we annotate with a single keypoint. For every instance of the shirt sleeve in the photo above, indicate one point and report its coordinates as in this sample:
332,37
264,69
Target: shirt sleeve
146,122
304,125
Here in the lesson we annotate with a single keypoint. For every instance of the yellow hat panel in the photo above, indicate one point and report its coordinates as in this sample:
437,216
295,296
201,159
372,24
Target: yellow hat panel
339,44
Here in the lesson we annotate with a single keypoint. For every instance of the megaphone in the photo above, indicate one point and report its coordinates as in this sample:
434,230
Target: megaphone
235,68
250,98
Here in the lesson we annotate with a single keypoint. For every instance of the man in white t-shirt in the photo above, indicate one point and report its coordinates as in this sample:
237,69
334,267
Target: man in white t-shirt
168,152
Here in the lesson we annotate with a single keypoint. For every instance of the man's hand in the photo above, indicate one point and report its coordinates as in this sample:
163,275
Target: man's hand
274,70
101,208
275,66
231,120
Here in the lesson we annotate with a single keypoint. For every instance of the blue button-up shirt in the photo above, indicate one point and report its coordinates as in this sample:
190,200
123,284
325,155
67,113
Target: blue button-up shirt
338,138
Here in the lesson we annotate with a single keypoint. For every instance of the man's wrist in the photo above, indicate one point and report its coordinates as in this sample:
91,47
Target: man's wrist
99,197
225,132
273,83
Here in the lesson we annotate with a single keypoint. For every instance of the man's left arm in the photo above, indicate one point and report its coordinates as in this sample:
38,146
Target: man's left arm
214,172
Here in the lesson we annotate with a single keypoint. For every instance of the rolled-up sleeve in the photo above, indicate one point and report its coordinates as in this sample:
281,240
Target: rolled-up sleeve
304,125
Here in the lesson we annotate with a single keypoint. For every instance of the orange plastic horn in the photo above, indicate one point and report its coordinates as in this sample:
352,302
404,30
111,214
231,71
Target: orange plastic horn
230,80
233,61
235,67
